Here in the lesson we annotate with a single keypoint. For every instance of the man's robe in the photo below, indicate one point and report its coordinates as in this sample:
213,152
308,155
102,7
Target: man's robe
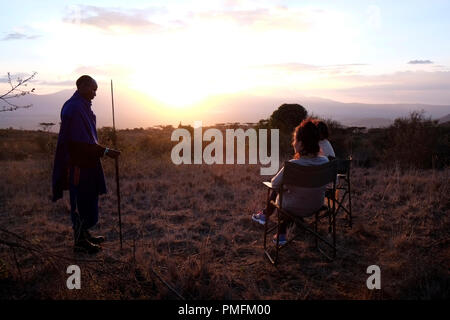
77,150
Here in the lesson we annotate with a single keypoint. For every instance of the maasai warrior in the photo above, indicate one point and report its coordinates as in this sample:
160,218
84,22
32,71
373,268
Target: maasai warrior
77,165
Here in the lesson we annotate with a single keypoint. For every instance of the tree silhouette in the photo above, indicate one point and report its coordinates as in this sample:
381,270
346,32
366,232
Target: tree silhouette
287,117
18,89
46,126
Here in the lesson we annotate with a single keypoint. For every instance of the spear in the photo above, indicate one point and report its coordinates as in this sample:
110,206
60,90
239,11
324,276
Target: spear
117,165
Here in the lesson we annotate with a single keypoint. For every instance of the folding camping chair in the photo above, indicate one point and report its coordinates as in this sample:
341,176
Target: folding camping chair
307,177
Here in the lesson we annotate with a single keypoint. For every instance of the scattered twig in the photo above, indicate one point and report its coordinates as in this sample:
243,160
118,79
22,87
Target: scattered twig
17,264
167,285
438,242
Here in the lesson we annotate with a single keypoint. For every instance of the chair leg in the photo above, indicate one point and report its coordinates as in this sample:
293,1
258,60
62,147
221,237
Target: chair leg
340,204
265,235
266,252
329,216
277,246
267,222
316,228
350,201
266,231
334,235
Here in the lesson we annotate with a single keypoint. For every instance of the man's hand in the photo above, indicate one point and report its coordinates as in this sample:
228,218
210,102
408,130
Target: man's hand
113,153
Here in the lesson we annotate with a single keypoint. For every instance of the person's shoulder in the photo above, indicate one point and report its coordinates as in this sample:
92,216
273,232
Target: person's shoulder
301,161
70,107
310,161
322,159
69,110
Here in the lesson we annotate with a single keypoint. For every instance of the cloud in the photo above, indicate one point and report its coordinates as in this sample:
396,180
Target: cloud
15,77
290,67
405,80
100,73
398,87
62,83
430,87
262,18
420,62
233,4
19,36
295,67
155,19
104,71
109,19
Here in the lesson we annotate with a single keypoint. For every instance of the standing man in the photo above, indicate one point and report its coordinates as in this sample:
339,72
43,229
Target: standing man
77,165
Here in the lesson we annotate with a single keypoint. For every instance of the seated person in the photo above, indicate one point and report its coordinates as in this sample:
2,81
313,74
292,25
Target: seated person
325,146
301,201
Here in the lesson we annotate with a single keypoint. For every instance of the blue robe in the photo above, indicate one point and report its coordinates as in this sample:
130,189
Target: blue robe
77,165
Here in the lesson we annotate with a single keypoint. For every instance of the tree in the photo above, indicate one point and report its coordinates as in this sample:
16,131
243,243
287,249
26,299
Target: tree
18,89
287,117
46,126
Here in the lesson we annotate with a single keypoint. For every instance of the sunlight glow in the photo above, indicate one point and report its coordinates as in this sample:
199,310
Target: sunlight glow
192,58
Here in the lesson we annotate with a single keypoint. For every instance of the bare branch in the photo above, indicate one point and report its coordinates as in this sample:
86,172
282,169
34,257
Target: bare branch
16,92
13,106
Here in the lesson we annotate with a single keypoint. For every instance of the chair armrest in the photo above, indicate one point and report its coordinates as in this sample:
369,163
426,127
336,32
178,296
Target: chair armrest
268,184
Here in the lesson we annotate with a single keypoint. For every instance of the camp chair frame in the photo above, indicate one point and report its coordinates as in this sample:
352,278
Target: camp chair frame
308,177
343,173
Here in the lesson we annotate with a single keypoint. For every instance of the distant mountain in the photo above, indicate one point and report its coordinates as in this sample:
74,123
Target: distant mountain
130,107
367,122
250,108
134,109
369,115
445,119
45,109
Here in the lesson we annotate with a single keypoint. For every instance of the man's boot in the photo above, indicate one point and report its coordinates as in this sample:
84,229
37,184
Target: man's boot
82,244
93,239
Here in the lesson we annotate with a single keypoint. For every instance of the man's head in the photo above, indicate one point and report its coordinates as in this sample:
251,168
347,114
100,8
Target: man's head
87,87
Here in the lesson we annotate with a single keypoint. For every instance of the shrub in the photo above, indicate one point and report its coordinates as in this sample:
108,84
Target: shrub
412,142
154,145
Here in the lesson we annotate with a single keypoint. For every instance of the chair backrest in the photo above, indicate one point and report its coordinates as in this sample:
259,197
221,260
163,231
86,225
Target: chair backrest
309,176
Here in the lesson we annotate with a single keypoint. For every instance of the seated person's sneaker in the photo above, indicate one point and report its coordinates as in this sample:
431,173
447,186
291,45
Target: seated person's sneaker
281,241
259,217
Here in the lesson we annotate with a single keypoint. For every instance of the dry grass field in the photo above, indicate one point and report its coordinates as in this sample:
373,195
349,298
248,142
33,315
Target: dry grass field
189,227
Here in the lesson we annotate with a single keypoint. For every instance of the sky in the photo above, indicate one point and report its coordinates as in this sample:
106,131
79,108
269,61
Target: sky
184,53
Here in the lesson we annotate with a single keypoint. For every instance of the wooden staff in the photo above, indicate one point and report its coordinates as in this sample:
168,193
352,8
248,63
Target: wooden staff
117,165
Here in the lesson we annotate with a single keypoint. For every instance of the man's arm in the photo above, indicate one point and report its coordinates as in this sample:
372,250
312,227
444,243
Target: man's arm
86,150
86,154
